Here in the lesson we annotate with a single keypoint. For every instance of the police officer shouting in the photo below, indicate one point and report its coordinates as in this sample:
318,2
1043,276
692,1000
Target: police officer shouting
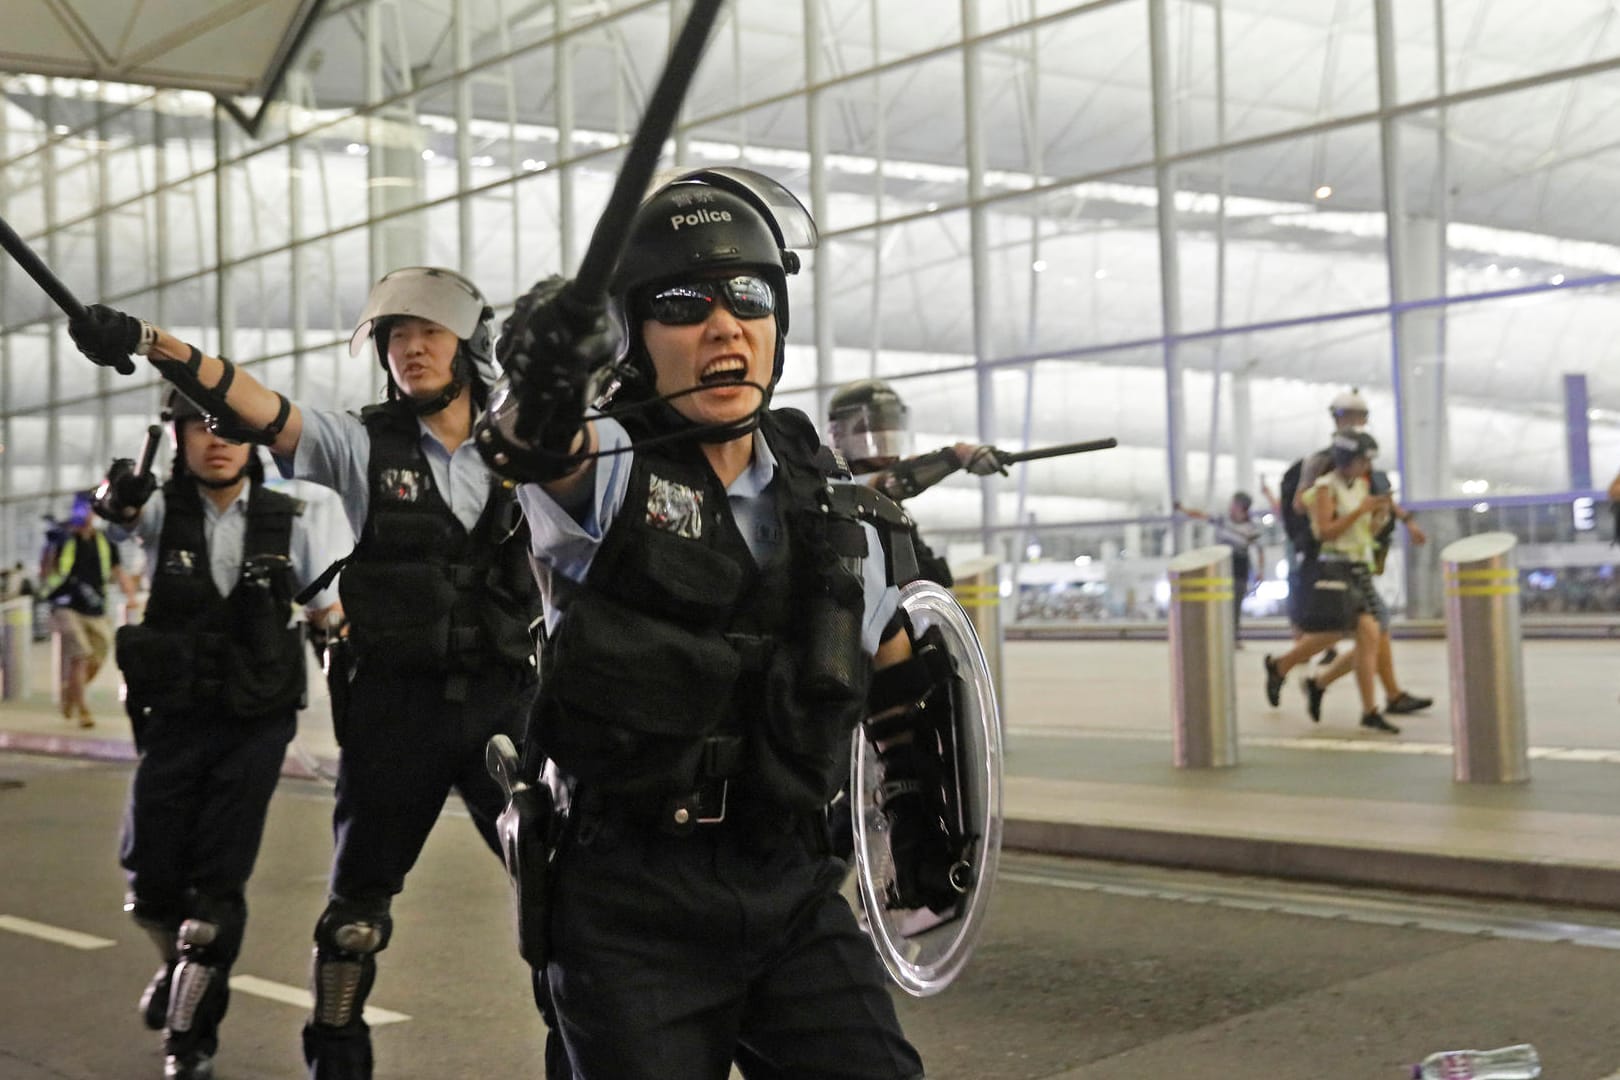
216,676
709,619
438,595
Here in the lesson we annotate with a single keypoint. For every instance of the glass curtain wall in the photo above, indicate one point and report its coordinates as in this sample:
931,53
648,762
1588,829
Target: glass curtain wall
1187,224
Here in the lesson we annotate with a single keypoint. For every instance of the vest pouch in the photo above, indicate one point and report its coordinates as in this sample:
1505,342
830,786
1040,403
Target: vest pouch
804,757
679,579
627,698
157,666
258,683
399,614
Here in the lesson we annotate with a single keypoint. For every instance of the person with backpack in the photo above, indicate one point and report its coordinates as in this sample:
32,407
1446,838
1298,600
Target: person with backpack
1342,599
1350,415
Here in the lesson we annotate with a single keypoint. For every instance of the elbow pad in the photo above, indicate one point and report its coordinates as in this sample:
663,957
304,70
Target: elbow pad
222,420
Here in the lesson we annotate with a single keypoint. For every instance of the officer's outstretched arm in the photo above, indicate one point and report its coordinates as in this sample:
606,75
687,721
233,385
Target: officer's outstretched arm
534,428
238,406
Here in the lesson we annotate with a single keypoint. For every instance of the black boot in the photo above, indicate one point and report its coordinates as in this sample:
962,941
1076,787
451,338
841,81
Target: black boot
155,998
195,1065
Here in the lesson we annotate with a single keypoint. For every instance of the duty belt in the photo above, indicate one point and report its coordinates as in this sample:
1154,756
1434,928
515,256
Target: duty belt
679,814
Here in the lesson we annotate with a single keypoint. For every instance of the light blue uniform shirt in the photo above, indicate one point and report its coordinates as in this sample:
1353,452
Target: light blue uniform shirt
313,547
568,546
334,450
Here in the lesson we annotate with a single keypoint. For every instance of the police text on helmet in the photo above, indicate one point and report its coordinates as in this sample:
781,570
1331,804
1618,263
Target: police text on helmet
699,217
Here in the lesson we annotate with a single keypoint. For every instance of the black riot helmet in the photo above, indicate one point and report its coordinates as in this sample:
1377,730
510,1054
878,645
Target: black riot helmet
705,221
177,409
441,296
868,424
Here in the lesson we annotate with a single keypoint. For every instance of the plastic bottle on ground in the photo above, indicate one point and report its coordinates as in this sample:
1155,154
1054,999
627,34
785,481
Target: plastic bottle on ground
1520,1062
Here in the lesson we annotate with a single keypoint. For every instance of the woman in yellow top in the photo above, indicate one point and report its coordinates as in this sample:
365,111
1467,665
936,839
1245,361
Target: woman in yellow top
1343,599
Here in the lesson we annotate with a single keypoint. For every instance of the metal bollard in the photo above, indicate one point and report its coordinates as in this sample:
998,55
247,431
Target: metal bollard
1204,693
978,590
16,639
1486,660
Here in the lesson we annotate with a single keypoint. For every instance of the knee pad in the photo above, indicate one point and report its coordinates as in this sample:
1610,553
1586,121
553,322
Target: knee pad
353,927
212,933
347,939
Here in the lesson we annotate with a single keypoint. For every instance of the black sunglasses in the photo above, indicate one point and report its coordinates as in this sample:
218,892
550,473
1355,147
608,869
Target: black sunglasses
688,303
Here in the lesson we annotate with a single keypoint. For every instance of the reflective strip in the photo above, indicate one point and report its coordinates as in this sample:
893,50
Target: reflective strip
1494,573
1485,590
1201,597
978,596
1217,581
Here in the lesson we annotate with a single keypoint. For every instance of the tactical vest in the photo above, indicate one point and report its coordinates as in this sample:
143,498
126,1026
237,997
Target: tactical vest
421,593
239,655
679,660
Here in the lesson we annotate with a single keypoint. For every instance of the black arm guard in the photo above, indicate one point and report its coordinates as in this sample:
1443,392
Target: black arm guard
916,475
910,701
222,420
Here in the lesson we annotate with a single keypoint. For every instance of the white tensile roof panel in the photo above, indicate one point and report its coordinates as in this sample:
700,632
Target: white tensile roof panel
227,47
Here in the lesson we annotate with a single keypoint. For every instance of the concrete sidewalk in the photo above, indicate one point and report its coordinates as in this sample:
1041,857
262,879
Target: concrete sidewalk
1089,772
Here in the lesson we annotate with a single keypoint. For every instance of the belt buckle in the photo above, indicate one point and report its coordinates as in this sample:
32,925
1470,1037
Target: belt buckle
725,790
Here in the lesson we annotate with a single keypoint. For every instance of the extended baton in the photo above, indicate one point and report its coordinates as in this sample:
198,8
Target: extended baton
641,160
35,268
1056,451
149,449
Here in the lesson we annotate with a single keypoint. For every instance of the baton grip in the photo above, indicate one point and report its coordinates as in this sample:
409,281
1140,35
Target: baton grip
501,759
149,449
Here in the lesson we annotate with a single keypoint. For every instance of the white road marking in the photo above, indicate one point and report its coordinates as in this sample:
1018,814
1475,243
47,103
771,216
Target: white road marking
297,995
45,932
1456,917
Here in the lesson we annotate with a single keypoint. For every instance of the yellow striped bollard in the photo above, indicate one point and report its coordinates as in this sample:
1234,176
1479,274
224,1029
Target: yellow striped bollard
1485,657
1204,694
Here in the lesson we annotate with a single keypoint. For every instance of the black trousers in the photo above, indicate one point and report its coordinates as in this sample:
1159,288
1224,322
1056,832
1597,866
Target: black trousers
674,955
197,805
193,826
1240,586
405,747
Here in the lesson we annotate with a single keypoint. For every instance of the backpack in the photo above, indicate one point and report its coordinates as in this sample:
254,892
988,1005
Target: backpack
1295,524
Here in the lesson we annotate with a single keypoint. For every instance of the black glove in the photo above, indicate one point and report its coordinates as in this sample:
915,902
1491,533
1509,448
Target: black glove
922,848
121,495
107,336
548,347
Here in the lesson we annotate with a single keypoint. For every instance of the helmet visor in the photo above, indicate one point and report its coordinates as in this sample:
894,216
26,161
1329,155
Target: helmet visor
423,292
871,431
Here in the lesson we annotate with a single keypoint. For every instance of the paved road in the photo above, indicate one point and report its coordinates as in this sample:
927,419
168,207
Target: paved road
1088,971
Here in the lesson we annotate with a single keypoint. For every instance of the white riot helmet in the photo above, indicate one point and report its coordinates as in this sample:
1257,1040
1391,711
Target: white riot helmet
441,296
1347,402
